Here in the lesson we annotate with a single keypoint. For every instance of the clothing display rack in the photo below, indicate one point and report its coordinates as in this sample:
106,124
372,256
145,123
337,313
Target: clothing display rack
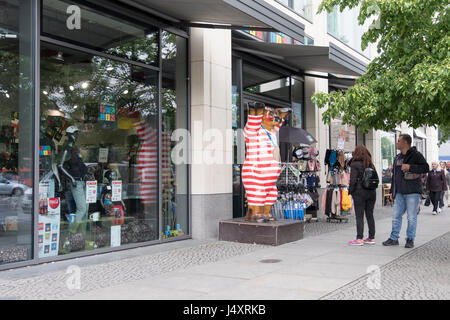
298,198
336,201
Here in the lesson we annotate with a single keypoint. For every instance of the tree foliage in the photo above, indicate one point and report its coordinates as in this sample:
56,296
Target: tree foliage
409,80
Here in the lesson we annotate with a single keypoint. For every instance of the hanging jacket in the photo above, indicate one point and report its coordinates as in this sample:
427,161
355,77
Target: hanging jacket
333,158
346,200
336,202
327,157
340,159
329,201
324,200
344,178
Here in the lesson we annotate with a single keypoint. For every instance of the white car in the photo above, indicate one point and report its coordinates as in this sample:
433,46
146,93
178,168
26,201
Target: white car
11,188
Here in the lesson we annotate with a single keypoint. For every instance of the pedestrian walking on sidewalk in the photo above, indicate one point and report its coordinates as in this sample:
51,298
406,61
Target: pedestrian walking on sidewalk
444,192
447,179
406,189
436,185
364,199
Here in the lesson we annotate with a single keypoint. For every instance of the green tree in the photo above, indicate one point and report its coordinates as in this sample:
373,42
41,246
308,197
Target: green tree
409,80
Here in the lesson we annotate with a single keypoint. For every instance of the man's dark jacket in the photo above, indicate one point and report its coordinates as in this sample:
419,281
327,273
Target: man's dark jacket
418,165
436,181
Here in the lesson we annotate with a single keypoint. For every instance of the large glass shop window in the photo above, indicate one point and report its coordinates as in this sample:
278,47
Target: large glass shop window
297,89
388,152
174,147
96,29
265,83
343,137
16,148
98,165
99,136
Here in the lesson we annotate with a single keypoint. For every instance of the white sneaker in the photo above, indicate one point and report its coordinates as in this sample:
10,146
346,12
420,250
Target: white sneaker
439,210
434,213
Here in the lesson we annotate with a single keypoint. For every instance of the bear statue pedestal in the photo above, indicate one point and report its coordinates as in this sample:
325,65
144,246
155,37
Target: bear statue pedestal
268,233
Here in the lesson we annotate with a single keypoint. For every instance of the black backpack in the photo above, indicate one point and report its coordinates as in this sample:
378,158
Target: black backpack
370,179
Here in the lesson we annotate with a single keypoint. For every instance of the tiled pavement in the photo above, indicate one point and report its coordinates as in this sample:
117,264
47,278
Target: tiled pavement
319,266
423,273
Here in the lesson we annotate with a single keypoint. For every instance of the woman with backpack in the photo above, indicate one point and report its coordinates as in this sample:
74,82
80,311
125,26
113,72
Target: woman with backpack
363,184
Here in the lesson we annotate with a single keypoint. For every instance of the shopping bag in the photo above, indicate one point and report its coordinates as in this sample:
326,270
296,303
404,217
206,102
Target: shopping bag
427,201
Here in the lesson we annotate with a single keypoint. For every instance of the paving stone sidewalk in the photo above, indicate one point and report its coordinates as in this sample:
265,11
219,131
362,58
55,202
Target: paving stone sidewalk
53,285
196,269
421,274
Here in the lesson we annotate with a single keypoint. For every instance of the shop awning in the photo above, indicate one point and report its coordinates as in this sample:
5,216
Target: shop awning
341,82
236,14
330,59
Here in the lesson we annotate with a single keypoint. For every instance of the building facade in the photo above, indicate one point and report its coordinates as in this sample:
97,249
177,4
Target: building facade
121,122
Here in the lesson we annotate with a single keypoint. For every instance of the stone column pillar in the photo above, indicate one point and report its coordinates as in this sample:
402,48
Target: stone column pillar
315,125
210,122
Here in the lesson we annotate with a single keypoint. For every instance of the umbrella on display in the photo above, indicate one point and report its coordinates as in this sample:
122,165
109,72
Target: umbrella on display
296,136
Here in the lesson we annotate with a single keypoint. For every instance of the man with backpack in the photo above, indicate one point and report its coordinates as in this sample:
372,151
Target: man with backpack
406,189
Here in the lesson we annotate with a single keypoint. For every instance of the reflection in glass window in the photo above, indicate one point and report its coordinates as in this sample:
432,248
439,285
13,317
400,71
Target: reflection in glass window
388,152
99,162
16,100
266,83
297,103
302,7
344,26
342,135
97,30
174,117
419,143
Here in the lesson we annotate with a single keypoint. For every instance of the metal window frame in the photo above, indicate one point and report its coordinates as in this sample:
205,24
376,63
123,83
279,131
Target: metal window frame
160,215
97,53
35,19
188,127
37,37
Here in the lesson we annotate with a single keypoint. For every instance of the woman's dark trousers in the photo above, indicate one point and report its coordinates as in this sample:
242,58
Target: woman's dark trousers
435,197
364,201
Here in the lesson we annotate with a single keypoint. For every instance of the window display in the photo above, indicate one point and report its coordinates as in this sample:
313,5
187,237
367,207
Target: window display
16,123
100,127
99,143
174,176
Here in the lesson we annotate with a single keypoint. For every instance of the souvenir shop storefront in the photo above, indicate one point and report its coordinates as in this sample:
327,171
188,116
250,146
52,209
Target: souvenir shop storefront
91,92
269,69
101,92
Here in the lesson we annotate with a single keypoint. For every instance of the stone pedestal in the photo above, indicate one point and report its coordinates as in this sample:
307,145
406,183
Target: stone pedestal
268,233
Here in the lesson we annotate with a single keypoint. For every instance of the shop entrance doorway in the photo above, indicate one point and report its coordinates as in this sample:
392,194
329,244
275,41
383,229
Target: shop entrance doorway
239,201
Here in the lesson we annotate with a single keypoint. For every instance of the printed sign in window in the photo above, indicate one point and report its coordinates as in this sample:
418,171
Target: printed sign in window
117,190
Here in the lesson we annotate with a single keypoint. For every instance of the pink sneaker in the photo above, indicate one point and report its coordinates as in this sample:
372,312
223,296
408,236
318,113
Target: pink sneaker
369,241
357,242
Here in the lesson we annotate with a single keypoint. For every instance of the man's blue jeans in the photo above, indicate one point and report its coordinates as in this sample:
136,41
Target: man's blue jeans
79,195
405,203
